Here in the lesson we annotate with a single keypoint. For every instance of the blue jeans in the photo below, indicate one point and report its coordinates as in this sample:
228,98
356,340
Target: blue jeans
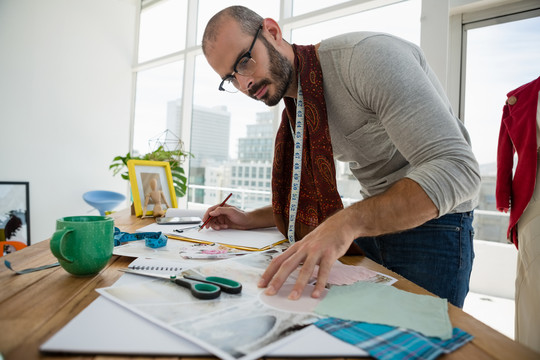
437,255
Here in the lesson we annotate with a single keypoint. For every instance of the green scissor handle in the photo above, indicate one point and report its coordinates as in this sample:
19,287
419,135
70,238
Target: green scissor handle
200,290
201,287
227,285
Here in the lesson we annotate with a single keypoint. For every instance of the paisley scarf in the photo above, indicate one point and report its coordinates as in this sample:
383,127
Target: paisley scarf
319,197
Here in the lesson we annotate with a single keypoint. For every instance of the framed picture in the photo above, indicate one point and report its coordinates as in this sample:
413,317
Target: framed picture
15,211
151,187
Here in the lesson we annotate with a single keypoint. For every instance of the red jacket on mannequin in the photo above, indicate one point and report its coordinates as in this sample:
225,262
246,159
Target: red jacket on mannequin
517,135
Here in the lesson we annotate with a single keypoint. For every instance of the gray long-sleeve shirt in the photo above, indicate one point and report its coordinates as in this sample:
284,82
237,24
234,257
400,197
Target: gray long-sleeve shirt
389,118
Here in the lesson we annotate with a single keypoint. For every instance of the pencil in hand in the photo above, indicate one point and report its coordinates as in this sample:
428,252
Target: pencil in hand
210,217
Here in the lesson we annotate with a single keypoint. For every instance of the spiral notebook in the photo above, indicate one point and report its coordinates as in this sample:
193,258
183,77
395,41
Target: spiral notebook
157,265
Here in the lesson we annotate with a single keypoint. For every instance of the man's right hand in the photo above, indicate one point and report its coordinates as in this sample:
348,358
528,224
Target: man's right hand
226,217
230,217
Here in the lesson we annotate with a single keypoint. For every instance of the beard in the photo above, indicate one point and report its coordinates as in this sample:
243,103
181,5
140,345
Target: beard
281,71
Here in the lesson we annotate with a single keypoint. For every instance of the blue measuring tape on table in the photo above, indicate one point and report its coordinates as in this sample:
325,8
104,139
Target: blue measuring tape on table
152,239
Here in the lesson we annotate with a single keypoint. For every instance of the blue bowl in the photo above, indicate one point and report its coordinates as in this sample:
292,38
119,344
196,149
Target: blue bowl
103,200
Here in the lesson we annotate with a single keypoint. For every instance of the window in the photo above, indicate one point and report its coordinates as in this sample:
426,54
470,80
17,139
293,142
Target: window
207,9
305,6
162,29
501,54
401,19
156,104
231,113
226,131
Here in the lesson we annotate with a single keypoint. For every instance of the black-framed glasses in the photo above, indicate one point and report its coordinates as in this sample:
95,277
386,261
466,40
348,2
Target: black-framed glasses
244,66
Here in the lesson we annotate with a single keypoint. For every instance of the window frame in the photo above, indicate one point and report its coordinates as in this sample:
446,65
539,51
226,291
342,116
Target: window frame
460,24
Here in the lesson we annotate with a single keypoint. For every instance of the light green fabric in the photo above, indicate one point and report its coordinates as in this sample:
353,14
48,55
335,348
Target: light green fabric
383,304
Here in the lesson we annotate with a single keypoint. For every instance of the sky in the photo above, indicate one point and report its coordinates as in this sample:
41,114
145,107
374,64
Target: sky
500,58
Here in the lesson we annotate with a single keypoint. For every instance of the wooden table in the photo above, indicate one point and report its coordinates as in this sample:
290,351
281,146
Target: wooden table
34,306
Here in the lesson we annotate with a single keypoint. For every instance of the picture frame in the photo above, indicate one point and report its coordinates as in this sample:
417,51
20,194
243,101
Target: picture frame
147,177
15,211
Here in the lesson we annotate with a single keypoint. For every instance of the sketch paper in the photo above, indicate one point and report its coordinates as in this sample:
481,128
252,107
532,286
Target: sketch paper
167,228
255,240
178,251
232,326
343,274
171,251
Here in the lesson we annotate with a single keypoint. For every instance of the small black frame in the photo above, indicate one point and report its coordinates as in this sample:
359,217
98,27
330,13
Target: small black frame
15,211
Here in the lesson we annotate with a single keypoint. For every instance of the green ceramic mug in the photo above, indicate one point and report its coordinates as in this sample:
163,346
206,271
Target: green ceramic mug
83,244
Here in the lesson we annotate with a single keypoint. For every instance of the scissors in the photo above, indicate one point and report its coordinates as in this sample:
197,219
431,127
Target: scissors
202,288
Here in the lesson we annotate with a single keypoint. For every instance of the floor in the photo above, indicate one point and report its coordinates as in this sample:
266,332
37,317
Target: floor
496,312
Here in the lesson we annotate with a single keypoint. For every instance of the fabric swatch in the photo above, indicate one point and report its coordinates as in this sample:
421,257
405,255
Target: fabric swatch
390,343
386,305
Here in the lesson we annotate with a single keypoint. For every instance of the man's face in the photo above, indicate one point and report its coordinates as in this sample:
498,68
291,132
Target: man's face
273,72
281,73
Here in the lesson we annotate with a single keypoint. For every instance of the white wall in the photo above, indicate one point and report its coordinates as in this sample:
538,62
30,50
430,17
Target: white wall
65,88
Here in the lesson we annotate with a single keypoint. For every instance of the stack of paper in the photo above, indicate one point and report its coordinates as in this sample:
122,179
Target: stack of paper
252,240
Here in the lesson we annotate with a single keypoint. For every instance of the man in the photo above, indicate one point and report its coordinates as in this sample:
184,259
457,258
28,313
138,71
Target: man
378,107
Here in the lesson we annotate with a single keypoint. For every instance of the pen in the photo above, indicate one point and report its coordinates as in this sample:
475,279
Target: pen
210,217
186,228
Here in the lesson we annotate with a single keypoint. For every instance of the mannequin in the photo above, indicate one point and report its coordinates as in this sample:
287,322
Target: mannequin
157,196
519,193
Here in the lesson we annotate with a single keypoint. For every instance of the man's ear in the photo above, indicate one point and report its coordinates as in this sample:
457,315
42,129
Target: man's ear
271,27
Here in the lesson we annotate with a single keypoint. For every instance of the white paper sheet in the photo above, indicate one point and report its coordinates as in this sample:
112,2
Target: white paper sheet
90,333
233,326
171,252
256,239
243,326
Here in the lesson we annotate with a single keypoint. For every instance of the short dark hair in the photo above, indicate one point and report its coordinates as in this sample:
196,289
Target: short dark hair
248,20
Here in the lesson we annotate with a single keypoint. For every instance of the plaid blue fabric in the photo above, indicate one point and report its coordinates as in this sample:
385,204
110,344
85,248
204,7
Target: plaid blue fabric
389,343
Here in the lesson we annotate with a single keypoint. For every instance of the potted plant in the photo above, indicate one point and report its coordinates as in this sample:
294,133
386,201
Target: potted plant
175,158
